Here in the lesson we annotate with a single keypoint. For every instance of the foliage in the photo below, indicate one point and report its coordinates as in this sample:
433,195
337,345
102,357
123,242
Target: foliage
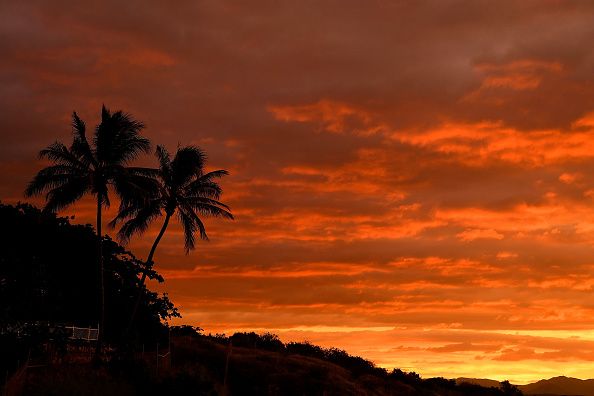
91,167
410,378
186,331
266,341
48,277
198,366
509,389
180,185
183,188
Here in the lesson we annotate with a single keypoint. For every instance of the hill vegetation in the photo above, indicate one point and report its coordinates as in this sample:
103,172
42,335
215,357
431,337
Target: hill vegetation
243,364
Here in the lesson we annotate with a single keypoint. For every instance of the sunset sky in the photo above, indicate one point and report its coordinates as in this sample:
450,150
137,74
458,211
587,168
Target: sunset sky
412,181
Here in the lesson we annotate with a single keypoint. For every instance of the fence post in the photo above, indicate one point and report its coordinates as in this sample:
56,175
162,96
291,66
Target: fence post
227,367
157,366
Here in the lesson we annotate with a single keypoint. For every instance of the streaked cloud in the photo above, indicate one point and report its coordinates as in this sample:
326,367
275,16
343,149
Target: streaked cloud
411,181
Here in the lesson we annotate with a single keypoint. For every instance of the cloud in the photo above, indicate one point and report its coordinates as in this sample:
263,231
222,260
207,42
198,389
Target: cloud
421,167
472,234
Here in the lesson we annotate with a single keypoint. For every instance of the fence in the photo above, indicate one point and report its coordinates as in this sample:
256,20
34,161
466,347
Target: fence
83,333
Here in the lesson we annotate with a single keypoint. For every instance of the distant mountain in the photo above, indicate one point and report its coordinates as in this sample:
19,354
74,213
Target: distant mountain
560,386
557,386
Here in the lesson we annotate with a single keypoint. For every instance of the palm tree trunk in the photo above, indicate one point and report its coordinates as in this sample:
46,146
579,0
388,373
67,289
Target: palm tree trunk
101,330
147,266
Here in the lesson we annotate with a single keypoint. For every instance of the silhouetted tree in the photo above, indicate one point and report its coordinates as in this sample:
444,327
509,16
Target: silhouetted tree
43,280
306,348
406,377
509,389
85,168
185,189
186,331
266,341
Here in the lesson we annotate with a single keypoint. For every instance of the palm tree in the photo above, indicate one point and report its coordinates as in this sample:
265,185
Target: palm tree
85,168
185,189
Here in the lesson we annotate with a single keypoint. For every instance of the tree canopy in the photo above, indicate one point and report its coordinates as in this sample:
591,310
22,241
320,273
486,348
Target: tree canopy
47,273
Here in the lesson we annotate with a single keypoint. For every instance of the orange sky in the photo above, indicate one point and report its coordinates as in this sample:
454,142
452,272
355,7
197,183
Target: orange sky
413,182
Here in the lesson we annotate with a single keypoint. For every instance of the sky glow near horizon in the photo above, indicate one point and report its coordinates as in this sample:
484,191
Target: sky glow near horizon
412,181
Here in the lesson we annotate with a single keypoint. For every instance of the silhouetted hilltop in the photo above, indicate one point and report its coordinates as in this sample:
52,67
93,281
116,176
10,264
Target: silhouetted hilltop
479,381
560,386
556,386
243,364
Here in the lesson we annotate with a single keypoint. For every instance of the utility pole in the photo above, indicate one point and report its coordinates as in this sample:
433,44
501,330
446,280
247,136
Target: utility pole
229,350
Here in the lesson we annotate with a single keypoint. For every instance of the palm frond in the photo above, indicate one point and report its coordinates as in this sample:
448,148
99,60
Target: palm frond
205,186
60,154
164,164
190,223
117,138
138,224
187,164
124,212
208,190
132,182
198,222
51,177
208,207
140,171
211,175
80,146
66,194
129,144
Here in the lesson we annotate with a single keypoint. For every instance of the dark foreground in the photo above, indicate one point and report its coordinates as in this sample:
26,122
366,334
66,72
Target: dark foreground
203,365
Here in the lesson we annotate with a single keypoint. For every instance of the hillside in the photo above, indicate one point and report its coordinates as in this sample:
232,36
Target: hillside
262,365
560,386
557,386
